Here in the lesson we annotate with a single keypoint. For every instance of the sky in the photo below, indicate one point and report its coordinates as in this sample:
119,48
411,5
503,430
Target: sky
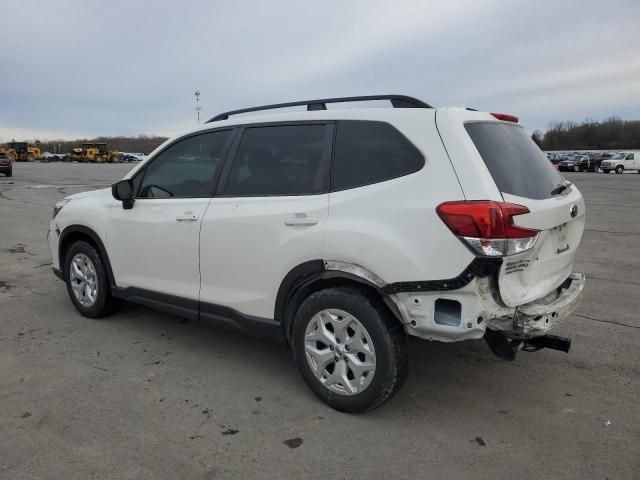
83,68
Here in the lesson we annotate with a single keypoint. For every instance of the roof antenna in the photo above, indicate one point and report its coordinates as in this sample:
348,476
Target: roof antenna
198,108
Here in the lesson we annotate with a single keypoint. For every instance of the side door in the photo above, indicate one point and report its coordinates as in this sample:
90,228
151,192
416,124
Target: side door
268,216
154,246
630,162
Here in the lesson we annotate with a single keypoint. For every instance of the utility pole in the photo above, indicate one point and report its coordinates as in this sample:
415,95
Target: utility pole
197,94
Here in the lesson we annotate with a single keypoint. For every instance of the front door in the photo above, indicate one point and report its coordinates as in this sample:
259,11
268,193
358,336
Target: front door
630,162
155,245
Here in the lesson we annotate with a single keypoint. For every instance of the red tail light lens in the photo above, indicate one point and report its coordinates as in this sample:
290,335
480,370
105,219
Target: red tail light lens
487,226
505,117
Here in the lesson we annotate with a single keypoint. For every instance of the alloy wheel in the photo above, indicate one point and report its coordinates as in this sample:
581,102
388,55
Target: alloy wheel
84,280
339,351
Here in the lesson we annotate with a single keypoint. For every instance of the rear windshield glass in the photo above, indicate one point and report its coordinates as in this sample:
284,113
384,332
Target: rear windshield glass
515,162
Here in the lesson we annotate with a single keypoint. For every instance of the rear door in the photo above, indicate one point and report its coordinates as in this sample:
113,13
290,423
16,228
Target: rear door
269,216
510,167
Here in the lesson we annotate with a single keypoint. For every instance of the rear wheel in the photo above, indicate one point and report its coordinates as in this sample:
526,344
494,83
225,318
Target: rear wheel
349,349
606,171
87,281
10,172
619,169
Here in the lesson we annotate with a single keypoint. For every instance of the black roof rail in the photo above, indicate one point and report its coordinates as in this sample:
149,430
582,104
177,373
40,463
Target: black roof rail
398,101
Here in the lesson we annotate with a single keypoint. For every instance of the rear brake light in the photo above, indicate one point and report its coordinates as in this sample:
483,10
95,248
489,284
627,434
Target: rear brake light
487,226
505,117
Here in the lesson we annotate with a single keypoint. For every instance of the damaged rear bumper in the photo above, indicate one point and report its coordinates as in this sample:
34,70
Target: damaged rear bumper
536,318
476,308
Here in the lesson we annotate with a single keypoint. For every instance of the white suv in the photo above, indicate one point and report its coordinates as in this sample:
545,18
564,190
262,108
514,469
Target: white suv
340,232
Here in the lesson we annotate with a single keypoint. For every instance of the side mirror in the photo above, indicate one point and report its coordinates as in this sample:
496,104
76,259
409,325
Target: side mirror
123,191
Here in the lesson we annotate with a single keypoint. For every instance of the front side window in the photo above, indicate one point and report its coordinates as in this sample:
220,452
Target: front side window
281,160
187,168
368,152
630,156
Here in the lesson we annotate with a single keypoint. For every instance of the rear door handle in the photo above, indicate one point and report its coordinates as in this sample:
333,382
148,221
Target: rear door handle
300,221
187,217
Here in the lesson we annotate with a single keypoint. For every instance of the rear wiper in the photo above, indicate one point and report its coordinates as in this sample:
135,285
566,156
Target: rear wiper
559,189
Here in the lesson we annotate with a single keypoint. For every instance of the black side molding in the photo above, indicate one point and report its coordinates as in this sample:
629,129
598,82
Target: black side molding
81,229
183,307
194,310
58,273
235,320
479,267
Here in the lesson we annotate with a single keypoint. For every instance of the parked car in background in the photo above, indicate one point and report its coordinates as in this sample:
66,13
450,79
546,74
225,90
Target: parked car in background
6,164
52,157
132,157
554,159
572,163
622,161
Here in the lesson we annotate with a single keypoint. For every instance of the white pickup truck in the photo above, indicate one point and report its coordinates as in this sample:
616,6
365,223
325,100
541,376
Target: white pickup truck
622,161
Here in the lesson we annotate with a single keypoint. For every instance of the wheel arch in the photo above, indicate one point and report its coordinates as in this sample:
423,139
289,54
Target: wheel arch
75,233
315,275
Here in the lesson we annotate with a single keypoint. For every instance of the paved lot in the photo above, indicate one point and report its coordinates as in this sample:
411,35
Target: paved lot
145,395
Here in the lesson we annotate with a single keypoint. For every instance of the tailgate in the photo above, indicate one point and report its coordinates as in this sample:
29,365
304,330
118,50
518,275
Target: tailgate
536,272
497,160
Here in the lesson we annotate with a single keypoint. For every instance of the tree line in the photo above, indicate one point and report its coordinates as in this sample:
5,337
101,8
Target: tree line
139,144
610,134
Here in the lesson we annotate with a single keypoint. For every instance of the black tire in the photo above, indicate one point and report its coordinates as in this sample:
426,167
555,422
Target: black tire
105,303
10,173
577,169
619,169
606,171
386,333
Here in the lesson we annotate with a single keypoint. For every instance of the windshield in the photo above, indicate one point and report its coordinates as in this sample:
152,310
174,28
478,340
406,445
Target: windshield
515,162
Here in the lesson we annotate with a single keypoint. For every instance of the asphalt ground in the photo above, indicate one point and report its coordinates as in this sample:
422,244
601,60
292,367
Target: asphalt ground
146,395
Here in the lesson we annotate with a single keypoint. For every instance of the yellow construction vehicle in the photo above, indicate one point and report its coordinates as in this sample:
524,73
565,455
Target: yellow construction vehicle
17,151
93,152
33,154
22,152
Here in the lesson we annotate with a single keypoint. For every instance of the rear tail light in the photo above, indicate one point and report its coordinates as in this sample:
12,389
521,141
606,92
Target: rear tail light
487,226
506,117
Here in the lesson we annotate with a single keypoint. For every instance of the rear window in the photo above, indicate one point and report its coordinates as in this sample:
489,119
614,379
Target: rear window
515,162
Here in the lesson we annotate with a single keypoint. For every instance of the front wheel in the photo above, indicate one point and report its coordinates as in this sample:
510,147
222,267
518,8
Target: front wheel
87,281
576,168
605,171
619,169
10,173
349,349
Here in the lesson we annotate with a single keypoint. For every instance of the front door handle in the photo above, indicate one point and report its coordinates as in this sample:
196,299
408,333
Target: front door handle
187,217
300,220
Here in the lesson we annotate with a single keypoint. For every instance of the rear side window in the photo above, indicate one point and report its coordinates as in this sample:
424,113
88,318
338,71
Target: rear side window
368,152
515,162
281,160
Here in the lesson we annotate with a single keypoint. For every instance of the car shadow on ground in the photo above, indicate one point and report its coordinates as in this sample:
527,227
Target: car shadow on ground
439,372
